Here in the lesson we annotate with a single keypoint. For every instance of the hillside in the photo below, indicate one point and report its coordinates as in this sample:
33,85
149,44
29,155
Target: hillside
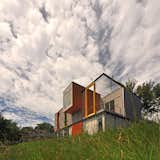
138,142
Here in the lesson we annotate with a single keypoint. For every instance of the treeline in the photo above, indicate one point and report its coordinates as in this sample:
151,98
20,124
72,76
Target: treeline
10,133
148,92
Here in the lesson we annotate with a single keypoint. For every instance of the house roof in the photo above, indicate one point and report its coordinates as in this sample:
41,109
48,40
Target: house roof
104,74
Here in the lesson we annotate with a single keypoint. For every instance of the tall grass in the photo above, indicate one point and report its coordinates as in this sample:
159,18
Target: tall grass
140,141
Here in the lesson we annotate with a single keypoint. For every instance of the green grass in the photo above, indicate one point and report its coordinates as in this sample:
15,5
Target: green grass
140,141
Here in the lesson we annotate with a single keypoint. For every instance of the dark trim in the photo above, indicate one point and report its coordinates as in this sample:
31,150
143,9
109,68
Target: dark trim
104,74
117,83
78,84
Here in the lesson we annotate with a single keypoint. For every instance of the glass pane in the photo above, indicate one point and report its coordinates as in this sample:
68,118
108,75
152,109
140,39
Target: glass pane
107,106
67,96
112,106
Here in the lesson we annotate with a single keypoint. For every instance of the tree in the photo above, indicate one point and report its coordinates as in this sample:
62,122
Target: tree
130,85
9,131
27,130
45,126
155,114
156,90
149,92
145,92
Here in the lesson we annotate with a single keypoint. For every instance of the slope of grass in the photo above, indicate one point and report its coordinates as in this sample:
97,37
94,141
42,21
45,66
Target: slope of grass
140,141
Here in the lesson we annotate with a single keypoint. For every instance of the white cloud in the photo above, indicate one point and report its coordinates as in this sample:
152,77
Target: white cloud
79,41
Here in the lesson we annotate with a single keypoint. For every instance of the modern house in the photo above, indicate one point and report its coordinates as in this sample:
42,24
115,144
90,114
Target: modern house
103,104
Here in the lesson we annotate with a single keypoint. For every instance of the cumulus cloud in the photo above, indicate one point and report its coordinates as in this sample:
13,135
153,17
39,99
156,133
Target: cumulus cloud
46,44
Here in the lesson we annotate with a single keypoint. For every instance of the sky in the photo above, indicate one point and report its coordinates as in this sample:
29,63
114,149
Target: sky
46,44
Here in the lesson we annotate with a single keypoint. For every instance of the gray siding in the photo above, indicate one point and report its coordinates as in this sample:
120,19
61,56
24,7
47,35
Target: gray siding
132,106
104,121
99,122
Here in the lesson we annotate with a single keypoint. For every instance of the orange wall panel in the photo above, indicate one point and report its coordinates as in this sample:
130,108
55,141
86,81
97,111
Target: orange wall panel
79,100
77,128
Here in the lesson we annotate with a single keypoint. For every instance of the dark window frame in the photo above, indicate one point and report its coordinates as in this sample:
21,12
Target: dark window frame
110,106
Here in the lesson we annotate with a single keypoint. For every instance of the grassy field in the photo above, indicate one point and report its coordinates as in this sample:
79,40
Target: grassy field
138,142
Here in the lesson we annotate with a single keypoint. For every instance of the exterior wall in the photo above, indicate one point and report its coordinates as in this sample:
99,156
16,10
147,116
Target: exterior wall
77,97
99,122
76,116
78,101
94,124
132,106
113,121
69,119
70,131
91,126
104,121
56,121
68,97
90,103
61,119
118,98
77,128
129,107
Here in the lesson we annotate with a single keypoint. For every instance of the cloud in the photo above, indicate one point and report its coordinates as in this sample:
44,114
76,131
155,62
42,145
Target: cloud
44,13
46,44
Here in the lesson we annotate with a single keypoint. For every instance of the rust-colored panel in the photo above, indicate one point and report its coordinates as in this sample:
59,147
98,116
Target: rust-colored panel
77,98
77,128
90,102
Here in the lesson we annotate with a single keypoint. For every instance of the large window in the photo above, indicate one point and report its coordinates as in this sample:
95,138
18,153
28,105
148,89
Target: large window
67,96
76,116
109,106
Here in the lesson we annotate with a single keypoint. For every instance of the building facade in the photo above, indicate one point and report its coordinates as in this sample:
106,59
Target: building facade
104,103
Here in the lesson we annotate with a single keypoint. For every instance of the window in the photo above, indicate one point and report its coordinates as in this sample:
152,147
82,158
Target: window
76,116
100,124
67,96
112,106
65,119
109,106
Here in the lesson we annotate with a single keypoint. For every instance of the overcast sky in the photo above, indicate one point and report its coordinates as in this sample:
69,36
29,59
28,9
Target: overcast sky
46,44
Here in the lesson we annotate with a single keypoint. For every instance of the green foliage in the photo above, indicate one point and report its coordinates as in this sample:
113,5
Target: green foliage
156,90
140,141
27,129
9,132
147,91
130,85
45,126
